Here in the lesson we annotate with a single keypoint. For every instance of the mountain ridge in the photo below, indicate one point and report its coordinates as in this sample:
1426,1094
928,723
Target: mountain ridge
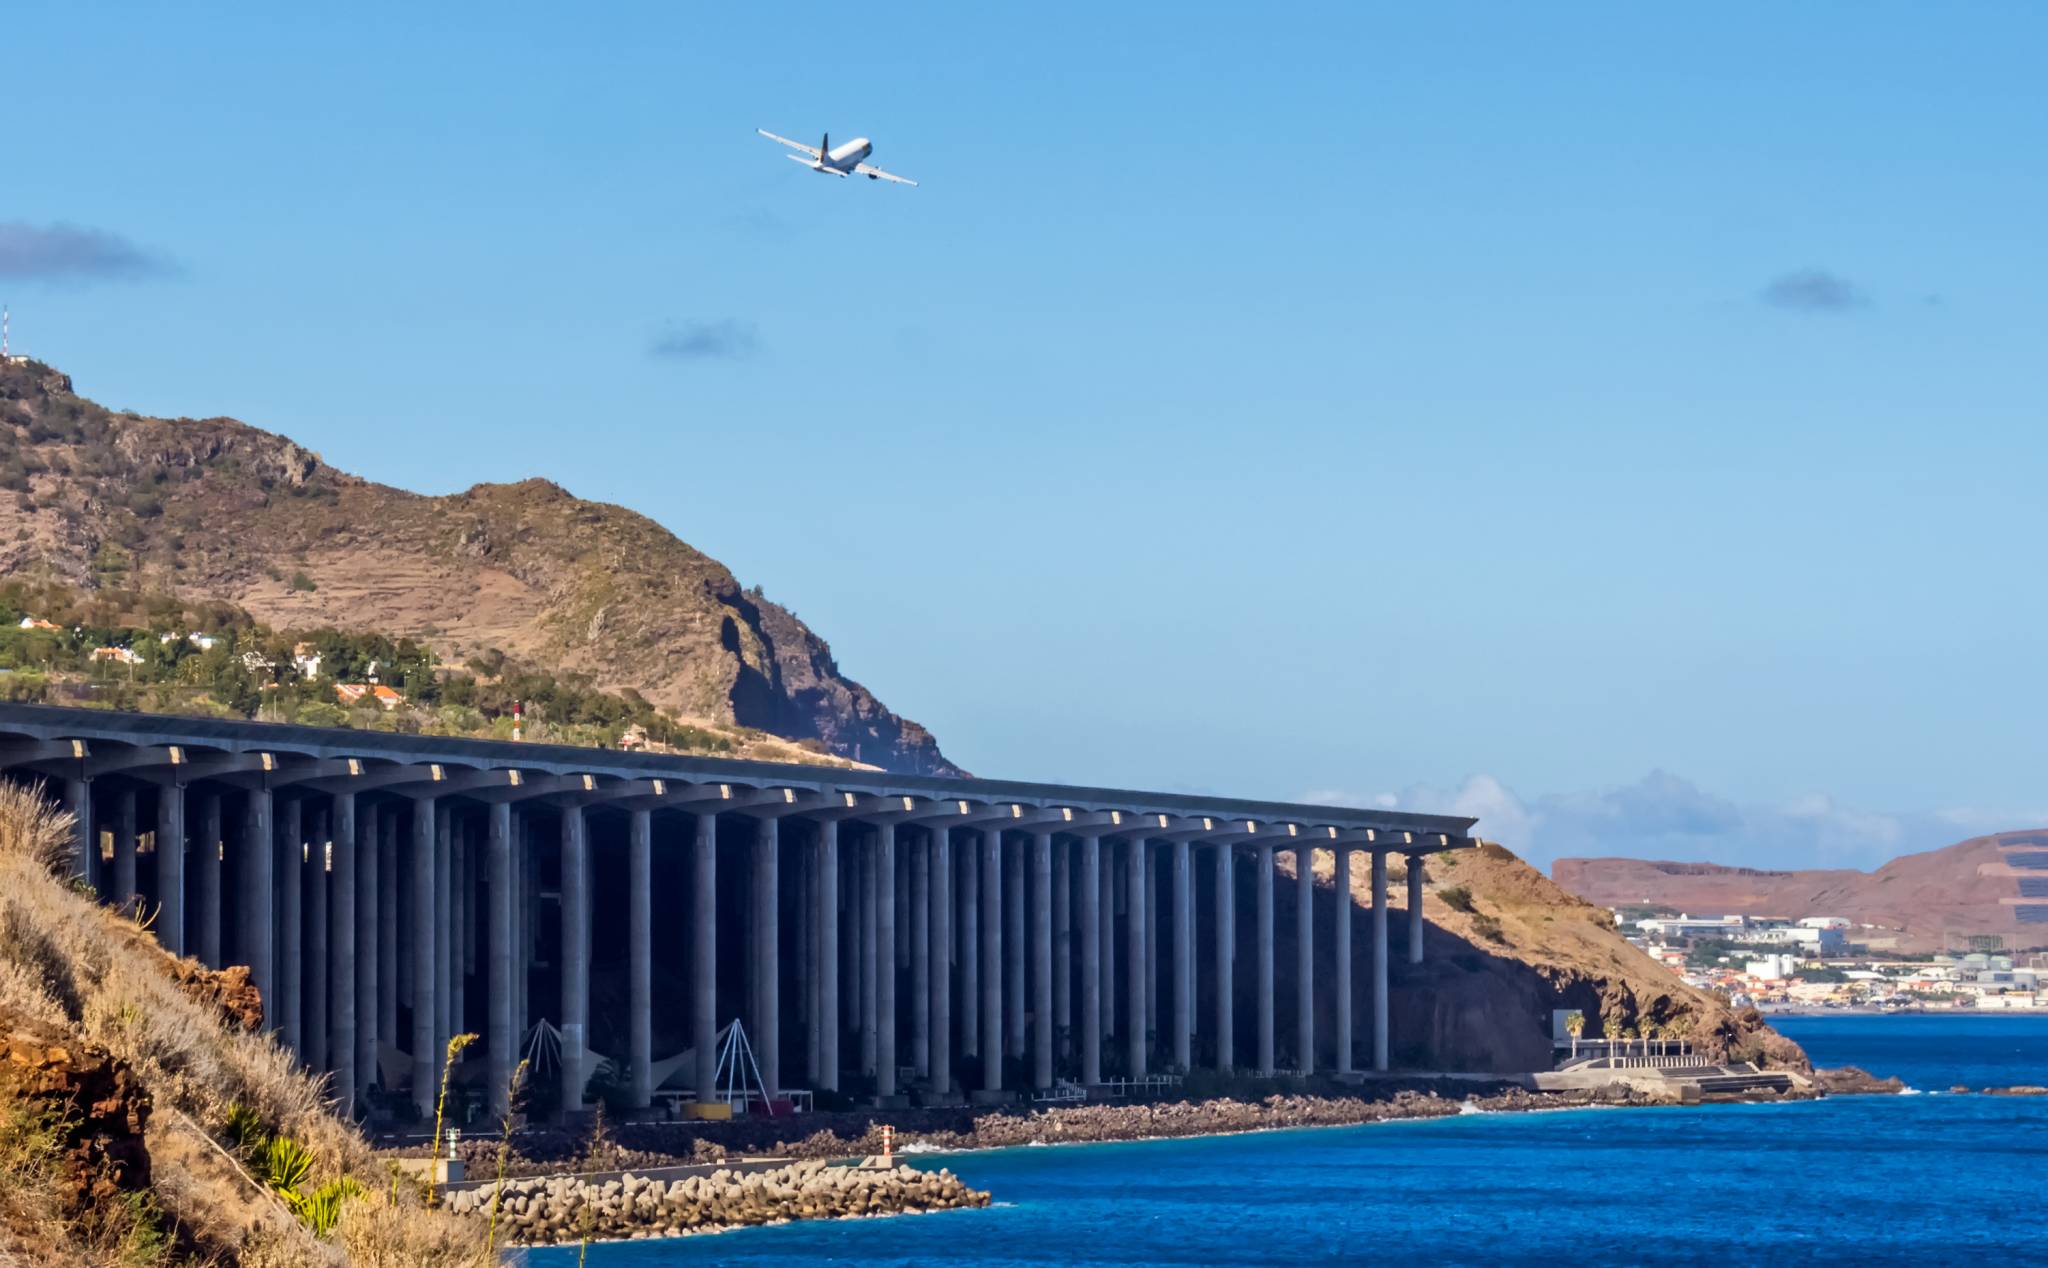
217,509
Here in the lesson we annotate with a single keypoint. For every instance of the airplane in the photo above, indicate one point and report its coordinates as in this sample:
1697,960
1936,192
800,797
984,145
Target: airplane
844,161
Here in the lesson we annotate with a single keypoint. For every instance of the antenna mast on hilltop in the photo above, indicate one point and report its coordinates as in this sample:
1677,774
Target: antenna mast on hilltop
3,333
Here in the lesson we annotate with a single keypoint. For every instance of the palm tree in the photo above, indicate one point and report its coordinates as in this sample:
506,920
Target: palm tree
1575,1025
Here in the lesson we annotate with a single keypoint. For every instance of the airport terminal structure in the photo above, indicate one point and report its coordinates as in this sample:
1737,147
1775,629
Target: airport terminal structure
876,935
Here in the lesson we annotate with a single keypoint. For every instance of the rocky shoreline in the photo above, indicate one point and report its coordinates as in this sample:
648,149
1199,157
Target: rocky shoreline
548,1210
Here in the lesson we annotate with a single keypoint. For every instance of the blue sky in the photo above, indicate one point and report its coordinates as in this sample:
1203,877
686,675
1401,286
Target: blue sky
1624,421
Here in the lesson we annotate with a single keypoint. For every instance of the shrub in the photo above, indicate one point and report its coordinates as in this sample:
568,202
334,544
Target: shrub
301,582
1456,897
1488,928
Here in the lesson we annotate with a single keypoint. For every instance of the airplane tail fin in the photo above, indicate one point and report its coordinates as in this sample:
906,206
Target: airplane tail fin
825,147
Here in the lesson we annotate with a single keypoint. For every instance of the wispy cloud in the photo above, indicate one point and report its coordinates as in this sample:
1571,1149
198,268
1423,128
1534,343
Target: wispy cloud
1665,816
1814,291
71,253
722,340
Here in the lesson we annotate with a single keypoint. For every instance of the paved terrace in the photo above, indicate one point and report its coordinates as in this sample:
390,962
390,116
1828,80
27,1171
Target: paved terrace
881,933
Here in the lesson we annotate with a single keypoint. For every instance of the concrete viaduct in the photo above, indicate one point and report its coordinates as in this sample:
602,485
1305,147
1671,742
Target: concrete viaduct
876,933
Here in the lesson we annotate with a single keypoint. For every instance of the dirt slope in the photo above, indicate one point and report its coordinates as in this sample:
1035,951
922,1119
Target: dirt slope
215,509
1926,901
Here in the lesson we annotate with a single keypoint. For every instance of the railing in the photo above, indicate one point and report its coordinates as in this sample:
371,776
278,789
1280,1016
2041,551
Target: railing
1149,1085
1062,1090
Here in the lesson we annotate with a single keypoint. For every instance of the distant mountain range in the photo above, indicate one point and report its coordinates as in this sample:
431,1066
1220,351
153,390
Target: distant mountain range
215,510
1994,886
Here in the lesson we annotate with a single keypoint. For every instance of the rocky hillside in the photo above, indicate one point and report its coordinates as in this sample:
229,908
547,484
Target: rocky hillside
1918,902
213,509
1504,947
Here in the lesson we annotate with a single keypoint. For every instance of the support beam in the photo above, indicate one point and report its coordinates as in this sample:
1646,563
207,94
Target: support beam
124,849
170,867
426,1063
1340,954
369,881
290,857
768,953
390,862
85,854
1090,883
313,991
1015,956
1147,896
341,961
872,955
640,956
1062,947
942,962
992,958
575,956
885,981
1226,956
1111,886
704,959
254,947
1264,874
828,955
1135,923
1182,898
969,951
1379,960
203,930
1042,1009
1414,909
500,959
1305,958
921,960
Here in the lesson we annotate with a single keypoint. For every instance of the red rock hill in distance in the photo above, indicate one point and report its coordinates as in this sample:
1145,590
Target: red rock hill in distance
1919,902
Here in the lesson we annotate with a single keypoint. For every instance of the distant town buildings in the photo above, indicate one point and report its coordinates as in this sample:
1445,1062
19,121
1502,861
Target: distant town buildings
354,692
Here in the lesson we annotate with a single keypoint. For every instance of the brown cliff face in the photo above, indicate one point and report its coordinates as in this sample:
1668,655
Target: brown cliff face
1926,901
213,509
1504,946
93,1105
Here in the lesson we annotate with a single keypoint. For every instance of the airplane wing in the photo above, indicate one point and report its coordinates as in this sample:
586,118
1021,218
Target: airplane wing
876,173
811,150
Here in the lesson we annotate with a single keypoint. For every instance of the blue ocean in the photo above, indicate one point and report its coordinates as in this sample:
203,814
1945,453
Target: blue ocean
1930,1178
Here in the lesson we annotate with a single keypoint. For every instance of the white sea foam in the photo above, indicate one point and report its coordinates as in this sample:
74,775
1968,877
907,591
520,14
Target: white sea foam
1469,1107
919,1147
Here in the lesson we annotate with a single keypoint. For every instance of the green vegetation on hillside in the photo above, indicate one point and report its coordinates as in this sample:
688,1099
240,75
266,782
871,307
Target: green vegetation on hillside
121,650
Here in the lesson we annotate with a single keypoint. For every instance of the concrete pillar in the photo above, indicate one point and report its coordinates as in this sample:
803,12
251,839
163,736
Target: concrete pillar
203,929
640,956
1414,909
942,963
1062,946
808,950
1148,898
390,859
885,980
341,959
124,849
1340,955
921,960
768,954
499,959
1226,957
254,944
969,957
575,959
1182,897
872,954
1264,873
1379,960
828,955
291,930
170,868
444,838
1305,958
313,1008
900,904
85,833
704,957
1014,951
1135,923
461,927
1042,1012
368,966
1090,883
992,958
1110,886
426,1063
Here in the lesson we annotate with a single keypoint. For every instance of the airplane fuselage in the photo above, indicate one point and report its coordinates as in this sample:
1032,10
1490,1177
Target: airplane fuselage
844,157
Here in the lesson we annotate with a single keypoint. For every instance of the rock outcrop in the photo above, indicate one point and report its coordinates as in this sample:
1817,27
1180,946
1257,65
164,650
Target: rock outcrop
93,1104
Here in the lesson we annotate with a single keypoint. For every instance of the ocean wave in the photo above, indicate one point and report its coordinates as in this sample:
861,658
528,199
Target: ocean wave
1469,1107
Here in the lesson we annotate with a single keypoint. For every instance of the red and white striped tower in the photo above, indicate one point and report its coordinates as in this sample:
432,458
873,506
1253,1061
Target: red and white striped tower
518,720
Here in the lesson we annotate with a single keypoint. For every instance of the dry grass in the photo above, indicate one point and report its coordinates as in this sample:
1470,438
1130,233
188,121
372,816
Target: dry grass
68,960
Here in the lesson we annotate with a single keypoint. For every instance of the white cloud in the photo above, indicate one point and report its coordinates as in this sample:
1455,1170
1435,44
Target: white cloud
1665,816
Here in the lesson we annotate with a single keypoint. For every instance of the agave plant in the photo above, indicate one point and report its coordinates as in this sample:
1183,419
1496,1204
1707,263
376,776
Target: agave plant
286,1163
